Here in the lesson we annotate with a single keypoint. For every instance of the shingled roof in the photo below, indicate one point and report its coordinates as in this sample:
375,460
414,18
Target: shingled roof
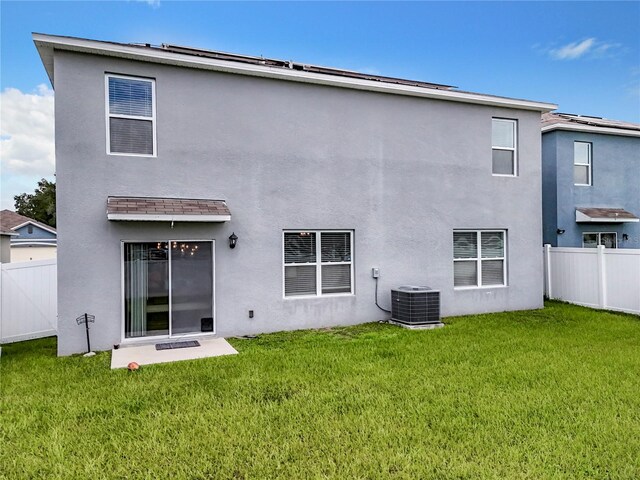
167,209
614,215
569,120
10,220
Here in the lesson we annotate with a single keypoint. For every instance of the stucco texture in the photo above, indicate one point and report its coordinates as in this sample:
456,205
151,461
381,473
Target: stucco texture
401,172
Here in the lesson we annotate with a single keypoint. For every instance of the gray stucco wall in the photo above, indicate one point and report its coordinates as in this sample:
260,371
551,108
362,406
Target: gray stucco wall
401,172
616,184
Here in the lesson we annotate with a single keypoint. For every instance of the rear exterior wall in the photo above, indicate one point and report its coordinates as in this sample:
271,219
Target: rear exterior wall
401,172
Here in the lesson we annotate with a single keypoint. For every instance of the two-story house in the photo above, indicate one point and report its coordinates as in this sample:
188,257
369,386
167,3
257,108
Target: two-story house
204,193
590,181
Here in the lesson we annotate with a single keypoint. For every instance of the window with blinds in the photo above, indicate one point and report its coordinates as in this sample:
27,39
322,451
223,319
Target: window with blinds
479,258
504,147
318,263
130,115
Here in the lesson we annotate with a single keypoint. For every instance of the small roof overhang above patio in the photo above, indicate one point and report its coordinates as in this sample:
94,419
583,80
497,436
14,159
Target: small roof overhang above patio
162,209
604,215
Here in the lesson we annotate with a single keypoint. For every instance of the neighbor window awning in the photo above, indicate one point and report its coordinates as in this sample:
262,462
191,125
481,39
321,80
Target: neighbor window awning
154,209
604,215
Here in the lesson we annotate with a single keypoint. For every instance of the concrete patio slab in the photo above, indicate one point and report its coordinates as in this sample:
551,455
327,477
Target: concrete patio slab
148,355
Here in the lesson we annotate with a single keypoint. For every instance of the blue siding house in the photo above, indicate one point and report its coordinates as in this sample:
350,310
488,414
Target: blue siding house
30,239
590,182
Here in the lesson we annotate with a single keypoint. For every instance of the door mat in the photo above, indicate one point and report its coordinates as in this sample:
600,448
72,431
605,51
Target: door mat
172,345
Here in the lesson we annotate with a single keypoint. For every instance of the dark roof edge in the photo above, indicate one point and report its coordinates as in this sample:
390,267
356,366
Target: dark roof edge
46,44
582,123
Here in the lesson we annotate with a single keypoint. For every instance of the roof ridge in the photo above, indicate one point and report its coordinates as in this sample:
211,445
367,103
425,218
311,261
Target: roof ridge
11,224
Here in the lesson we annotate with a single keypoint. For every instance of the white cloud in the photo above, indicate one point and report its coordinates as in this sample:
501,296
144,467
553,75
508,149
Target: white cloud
26,131
589,47
151,3
573,50
26,137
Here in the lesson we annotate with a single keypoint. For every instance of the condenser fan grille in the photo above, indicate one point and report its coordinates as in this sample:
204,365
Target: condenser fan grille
415,305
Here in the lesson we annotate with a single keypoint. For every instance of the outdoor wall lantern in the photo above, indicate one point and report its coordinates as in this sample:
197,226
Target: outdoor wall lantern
233,239
560,231
625,236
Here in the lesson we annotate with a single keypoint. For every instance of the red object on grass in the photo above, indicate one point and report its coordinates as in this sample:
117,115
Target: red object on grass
133,366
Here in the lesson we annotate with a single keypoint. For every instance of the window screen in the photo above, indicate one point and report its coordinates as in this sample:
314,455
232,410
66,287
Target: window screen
504,146
581,163
317,263
131,115
479,258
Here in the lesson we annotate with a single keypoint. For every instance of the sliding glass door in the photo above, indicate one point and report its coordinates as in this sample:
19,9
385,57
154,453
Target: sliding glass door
168,288
191,287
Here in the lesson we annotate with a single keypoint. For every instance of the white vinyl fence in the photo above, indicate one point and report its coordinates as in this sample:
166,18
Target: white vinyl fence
595,277
28,300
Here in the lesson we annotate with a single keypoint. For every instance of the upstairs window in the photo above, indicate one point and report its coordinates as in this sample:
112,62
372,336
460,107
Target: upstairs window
582,163
479,258
318,263
131,116
504,147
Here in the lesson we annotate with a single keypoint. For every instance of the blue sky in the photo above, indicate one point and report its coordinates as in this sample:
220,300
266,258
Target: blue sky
583,56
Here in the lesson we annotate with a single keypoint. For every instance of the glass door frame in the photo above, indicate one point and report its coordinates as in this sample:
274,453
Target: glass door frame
151,338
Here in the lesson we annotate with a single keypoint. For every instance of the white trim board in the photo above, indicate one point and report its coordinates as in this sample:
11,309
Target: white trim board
582,218
143,217
46,44
591,129
37,225
32,243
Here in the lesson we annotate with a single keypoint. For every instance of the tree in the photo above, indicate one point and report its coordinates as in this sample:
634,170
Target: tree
40,205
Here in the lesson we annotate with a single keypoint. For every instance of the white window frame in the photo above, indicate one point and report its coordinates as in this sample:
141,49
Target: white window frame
478,259
599,236
588,165
124,340
514,124
318,265
109,115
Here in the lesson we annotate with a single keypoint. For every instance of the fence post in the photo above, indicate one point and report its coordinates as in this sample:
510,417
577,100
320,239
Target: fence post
602,280
547,270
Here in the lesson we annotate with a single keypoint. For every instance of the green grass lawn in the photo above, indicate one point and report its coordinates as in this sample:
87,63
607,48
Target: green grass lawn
553,393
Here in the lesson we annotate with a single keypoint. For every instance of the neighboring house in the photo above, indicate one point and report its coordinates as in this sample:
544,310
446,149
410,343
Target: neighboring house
33,240
169,156
591,181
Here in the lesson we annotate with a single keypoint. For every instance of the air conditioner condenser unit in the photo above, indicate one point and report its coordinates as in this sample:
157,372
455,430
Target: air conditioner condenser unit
415,307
